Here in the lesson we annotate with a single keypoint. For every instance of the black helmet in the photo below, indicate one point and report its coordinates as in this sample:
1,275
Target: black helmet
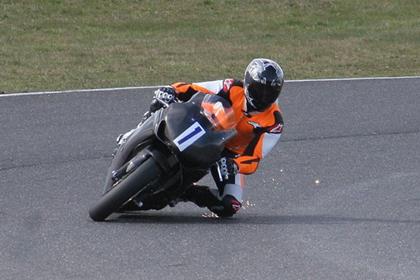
263,82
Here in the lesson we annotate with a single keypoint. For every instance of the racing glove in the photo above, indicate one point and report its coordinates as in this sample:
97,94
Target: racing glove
227,167
163,97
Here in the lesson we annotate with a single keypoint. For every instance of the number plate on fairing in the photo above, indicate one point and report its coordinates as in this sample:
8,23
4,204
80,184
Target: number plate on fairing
189,136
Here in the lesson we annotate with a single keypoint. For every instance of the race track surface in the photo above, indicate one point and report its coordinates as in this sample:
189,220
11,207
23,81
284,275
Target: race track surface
338,198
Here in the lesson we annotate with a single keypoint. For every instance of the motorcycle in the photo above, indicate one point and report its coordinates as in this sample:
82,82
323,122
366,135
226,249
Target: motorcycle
160,159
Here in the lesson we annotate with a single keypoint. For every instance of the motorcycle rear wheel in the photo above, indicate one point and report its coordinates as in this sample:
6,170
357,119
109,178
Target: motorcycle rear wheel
135,182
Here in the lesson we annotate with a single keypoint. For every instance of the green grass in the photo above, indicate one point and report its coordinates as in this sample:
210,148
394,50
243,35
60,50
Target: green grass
52,44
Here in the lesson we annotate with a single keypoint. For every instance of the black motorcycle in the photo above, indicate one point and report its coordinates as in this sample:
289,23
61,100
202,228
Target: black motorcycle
165,155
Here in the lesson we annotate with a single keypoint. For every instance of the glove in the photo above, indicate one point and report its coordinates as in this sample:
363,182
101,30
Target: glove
163,97
228,207
227,167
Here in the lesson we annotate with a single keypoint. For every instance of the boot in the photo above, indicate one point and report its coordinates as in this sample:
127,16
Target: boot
202,196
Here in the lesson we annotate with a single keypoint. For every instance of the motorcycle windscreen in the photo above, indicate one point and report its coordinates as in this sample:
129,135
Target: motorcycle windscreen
199,129
219,112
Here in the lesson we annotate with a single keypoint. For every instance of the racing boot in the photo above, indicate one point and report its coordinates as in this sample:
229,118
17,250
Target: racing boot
227,207
202,196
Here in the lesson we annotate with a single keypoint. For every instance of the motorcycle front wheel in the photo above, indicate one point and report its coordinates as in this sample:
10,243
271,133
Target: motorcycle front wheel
134,183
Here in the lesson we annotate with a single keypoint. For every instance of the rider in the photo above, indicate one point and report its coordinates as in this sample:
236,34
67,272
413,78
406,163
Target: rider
259,127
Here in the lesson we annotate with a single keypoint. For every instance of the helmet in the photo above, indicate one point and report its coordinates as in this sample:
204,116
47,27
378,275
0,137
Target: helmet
263,82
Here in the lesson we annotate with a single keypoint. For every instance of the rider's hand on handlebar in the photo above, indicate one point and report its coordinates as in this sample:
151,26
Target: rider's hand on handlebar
163,97
165,94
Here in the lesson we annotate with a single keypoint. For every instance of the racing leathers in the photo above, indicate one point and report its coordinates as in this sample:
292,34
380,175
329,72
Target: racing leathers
257,133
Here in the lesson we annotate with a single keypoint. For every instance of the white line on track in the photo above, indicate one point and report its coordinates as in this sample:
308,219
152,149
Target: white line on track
77,91
354,79
151,87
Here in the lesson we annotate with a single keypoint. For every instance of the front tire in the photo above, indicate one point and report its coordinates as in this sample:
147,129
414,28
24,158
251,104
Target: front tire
111,201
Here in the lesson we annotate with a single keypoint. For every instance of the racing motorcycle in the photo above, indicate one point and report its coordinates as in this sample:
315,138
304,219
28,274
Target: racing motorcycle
160,159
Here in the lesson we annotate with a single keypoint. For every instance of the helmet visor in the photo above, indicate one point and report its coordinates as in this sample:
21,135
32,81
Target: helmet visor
263,96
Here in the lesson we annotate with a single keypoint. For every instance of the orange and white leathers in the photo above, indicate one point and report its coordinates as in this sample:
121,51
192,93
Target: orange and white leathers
257,132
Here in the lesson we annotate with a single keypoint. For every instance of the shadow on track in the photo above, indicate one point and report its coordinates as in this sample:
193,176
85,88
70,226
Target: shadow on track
172,218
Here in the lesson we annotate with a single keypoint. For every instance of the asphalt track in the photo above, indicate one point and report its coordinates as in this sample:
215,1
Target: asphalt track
338,198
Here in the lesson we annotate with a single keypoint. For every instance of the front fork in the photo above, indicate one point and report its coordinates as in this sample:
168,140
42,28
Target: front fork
130,166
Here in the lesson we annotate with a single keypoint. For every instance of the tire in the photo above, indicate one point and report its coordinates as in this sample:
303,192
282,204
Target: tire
116,197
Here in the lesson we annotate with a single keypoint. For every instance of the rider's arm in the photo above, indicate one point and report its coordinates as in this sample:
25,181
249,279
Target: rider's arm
185,91
260,146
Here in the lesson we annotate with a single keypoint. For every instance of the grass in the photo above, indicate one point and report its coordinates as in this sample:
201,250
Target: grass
52,44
